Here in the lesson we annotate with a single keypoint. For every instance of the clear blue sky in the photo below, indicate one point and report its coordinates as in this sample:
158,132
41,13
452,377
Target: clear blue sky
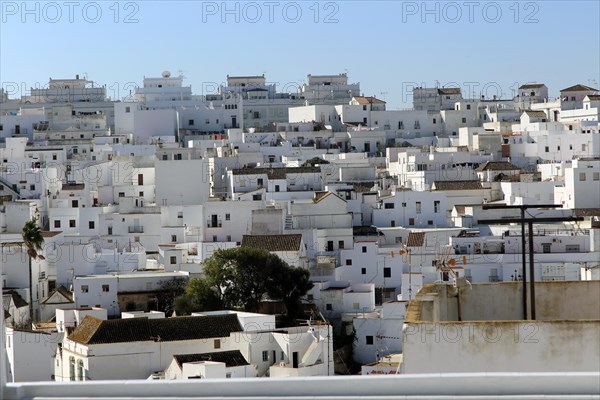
387,46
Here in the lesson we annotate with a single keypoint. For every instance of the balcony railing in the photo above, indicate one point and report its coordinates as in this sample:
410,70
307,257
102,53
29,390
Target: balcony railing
136,229
213,224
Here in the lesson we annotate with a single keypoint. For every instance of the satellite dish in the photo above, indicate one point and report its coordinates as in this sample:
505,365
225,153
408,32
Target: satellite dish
166,74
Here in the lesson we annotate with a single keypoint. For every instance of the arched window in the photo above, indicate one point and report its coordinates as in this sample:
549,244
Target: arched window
72,368
80,376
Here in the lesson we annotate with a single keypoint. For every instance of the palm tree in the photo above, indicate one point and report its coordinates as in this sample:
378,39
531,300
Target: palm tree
33,240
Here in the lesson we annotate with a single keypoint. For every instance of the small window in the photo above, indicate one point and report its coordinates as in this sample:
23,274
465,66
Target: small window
217,344
227,217
265,355
596,176
57,223
582,176
31,187
411,221
464,120
173,260
418,207
180,214
121,194
127,109
72,223
105,288
191,122
328,306
547,149
468,106
348,261
174,238
389,205
85,288
403,204
369,340
363,271
387,272
91,224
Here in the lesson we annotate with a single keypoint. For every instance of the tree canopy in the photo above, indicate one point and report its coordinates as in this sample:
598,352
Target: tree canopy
314,161
242,278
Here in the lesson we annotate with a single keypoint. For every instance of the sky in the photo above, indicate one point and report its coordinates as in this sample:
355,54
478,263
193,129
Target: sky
485,47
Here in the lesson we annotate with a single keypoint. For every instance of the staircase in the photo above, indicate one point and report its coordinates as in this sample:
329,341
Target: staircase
10,187
312,354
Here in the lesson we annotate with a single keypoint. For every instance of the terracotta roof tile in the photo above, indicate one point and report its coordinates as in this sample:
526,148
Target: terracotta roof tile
275,173
273,242
456,185
415,239
497,166
578,88
95,331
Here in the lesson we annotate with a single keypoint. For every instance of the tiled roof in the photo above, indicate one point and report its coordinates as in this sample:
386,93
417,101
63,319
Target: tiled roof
497,166
368,100
531,86
322,195
456,185
63,291
273,242
275,173
95,331
232,358
415,239
73,186
17,300
593,96
449,91
578,88
535,114
49,234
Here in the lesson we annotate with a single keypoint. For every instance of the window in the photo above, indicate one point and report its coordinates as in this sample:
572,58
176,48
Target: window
191,122
429,222
91,224
31,187
121,194
369,340
105,288
435,121
364,108
72,223
356,306
596,176
72,368
389,205
364,249
436,206
74,203
57,223
468,106
387,272
348,261
174,238
217,344
127,109
363,271
80,376
392,223
173,259
582,176
411,221
207,121
403,204
259,181
547,149
328,306
141,194
227,217
418,207
180,214
85,288
464,120
265,355
282,356
572,248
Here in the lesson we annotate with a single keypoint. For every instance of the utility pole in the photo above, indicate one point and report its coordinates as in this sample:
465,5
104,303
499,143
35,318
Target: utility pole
530,222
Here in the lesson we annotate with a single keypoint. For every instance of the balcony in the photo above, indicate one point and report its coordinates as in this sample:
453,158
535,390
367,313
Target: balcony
213,223
135,229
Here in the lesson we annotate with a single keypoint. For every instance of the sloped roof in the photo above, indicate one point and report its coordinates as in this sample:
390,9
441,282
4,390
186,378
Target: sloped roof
323,195
232,358
531,86
449,91
368,100
578,88
497,166
415,239
96,331
535,114
62,292
275,173
17,300
456,185
593,97
49,234
273,242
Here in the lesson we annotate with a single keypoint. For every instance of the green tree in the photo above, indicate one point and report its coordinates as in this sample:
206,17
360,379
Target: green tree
242,278
34,242
314,161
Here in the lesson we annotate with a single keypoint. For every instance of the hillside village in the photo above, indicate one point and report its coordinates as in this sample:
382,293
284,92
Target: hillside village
443,212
